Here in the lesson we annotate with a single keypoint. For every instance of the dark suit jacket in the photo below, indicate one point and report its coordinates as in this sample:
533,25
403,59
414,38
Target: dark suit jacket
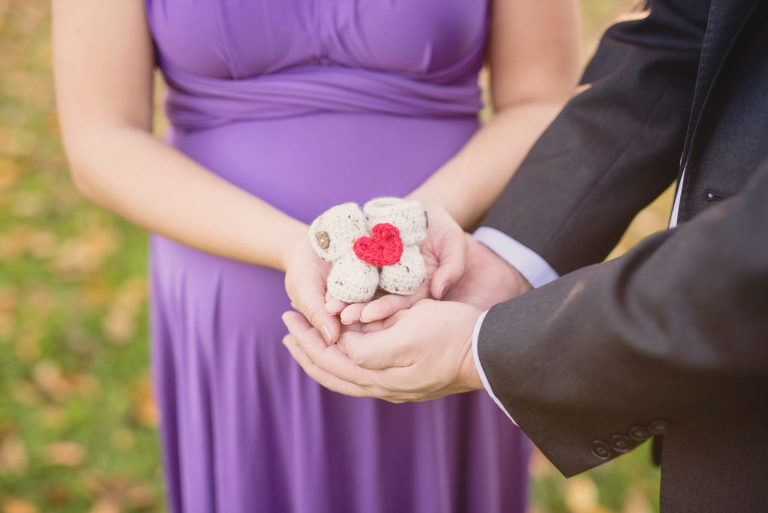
672,338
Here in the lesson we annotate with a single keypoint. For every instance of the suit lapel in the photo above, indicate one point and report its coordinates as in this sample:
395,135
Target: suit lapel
726,21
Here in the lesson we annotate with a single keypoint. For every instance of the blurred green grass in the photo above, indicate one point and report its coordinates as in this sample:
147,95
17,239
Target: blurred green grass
77,422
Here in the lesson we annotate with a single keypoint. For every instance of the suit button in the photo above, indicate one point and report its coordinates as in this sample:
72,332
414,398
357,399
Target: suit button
601,450
658,427
639,433
620,443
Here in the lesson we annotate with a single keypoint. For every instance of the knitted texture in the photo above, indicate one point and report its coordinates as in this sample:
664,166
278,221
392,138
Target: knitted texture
376,247
332,236
408,216
383,247
409,272
352,280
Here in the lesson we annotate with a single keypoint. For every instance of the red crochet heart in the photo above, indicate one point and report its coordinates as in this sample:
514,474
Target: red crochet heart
384,247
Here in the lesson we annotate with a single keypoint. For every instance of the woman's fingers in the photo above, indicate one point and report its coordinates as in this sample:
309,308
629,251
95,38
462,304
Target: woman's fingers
309,300
332,305
351,314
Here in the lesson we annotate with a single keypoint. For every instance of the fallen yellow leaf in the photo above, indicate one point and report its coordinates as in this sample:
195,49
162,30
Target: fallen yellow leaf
85,253
105,505
581,494
17,505
9,173
141,496
65,454
637,502
144,409
48,377
13,455
7,308
120,322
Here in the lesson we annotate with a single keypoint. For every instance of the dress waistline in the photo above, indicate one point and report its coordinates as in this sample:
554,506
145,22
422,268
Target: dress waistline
197,103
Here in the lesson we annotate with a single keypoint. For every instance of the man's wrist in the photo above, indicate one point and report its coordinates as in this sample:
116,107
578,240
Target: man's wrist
471,378
479,366
523,285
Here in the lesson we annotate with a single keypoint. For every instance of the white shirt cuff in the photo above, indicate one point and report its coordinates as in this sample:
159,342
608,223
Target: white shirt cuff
483,378
529,263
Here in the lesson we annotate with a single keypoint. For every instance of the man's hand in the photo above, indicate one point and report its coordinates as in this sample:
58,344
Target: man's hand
444,254
417,354
488,279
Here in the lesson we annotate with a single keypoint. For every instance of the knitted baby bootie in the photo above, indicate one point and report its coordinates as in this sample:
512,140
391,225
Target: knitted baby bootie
409,220
332,235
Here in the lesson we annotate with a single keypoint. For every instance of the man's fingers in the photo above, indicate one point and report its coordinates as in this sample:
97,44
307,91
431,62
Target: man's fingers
334,370
328,358
385,306
368,327
451,252
335,384
351,314
373,351
325,379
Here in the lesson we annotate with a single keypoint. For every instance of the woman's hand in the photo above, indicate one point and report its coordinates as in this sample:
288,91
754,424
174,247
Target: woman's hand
444,254
305,283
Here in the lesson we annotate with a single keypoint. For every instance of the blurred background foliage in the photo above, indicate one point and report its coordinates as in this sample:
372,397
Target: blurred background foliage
77,421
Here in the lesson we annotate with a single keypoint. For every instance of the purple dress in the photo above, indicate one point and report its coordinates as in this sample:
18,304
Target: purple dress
306,104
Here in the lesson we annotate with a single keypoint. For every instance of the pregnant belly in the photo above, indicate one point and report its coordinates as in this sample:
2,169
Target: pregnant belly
306,164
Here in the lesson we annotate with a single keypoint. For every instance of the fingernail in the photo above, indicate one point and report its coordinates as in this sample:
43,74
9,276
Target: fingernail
444,289
326,333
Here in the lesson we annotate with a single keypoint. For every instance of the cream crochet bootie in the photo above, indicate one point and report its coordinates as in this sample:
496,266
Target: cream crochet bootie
409,217
332,235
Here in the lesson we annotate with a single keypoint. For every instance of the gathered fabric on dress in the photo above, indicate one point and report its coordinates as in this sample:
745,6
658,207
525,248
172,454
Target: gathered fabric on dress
307,104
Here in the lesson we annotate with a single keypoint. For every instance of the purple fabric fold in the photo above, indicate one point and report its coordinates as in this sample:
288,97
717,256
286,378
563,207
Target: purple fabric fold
196,103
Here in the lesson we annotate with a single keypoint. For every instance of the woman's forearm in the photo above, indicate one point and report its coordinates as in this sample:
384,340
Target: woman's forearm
135,175
468,184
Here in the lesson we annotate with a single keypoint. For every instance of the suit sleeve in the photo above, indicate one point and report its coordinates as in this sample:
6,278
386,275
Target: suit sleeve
614,147
675,330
